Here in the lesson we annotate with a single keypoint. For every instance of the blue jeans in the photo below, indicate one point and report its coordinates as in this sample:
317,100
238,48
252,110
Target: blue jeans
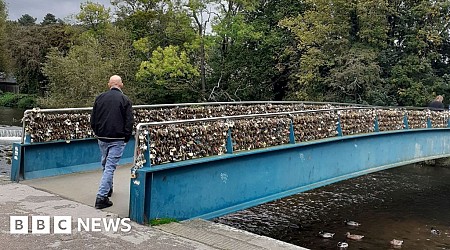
111,154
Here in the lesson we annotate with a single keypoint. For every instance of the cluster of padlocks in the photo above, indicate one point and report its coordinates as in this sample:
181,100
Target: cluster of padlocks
359,121
260,128
70,125
44,127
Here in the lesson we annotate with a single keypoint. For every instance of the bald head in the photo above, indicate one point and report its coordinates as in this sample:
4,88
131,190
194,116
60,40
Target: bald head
115,82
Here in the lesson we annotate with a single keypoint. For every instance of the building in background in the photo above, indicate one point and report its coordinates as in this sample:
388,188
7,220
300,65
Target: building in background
8,83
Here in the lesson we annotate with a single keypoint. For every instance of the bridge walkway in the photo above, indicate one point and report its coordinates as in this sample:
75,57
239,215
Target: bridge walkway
82,187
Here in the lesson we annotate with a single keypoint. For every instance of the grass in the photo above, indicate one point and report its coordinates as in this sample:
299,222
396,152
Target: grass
162,221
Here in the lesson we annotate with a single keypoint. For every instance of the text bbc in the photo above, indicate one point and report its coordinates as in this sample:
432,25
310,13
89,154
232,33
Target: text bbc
63,224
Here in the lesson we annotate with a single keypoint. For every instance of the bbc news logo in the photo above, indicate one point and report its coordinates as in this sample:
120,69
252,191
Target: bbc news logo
63,224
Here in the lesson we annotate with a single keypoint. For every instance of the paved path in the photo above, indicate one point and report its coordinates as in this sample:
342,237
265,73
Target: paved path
82,187
23,200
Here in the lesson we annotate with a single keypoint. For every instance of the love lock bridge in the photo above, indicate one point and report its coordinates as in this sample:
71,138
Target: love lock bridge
210,159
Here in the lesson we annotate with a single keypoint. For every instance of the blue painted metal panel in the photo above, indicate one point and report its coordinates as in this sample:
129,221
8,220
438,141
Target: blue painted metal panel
376,125
55,158
405,121
138,196
215,186
291,133
16,161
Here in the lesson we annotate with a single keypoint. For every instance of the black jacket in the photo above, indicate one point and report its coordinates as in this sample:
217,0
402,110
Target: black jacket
436,105
112,116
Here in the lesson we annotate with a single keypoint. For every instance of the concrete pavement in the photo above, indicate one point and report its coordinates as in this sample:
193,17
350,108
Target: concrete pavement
23,200
82,187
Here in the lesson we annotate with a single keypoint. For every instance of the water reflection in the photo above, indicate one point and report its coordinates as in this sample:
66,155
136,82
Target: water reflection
11,116
10,131
402,203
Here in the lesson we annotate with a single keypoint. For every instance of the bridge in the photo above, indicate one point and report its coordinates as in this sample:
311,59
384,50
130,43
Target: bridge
207,160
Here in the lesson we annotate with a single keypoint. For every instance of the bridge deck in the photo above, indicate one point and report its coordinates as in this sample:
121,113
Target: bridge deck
82,187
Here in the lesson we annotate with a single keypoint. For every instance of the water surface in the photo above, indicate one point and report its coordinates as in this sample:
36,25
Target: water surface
11,116
402,203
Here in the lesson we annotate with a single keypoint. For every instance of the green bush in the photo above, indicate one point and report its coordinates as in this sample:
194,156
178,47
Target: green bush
17,100
9,99
27,102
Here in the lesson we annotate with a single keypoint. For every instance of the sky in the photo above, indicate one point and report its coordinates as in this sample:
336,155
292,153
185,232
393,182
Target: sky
39,8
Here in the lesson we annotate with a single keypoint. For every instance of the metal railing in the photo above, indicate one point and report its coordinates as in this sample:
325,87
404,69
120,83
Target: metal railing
143,146
176,105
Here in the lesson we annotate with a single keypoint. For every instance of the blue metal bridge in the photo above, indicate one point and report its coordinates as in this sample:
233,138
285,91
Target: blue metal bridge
214,165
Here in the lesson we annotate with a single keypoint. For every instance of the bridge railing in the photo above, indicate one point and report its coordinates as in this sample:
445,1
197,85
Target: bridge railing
323,147
60,141
178,140
45,125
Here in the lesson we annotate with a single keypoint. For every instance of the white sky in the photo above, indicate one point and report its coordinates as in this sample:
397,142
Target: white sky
39,8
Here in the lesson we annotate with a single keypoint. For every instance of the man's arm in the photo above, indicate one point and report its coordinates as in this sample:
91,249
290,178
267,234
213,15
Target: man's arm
129,120
93,116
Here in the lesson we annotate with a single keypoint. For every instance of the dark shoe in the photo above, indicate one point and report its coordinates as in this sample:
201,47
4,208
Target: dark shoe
101,203
110,192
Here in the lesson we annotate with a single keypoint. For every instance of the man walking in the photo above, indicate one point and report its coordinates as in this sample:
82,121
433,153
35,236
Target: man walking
437,103
112,122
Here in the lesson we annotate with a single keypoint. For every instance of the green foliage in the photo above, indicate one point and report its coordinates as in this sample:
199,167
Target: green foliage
162,221
9,99
49,19
94,16
12,100
168,66
354,75
27,102
26,20
415,81
251,58
162,24
83,73
3,50
371,51
168,46
366,51
27,47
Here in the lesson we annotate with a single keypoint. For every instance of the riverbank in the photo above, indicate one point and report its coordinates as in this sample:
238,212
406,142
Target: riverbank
22,200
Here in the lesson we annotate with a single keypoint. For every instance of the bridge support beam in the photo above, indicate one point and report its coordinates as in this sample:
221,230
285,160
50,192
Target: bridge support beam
215,186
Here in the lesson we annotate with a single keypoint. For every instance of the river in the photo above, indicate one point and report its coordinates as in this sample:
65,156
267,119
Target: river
10,116
10,120
403,203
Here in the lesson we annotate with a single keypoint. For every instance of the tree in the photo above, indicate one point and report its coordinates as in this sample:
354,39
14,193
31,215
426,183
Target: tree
26,20
339,44
170,67
81,74
356,78
94,16
198,11
252,55
49,19
3,49
372,51
163,33
27,47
